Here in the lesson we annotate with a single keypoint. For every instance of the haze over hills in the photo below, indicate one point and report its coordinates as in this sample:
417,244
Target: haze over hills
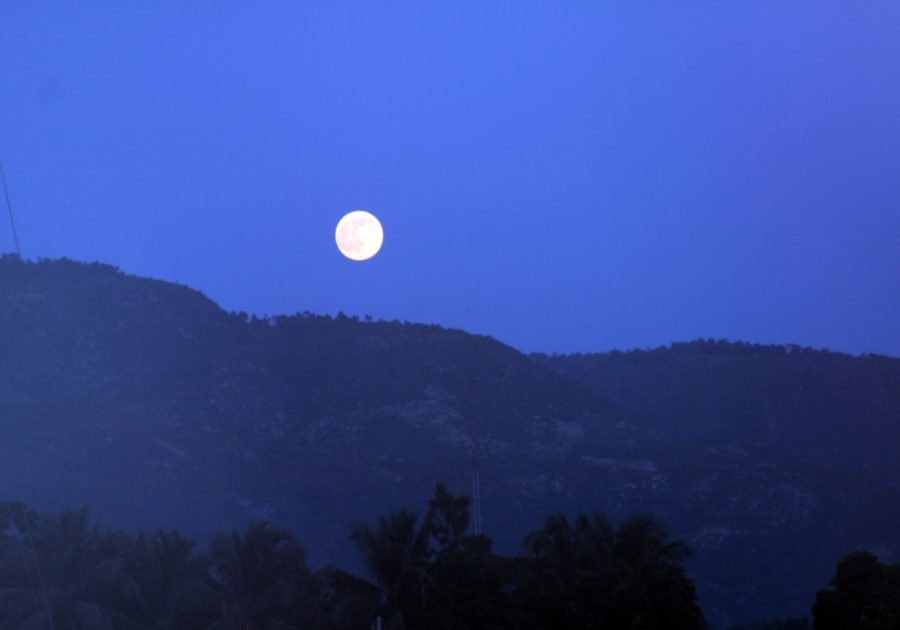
150,403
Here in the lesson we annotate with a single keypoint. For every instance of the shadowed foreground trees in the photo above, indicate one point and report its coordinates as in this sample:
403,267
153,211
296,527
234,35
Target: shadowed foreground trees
865,596
581,575
792,623
66,571
264,581
165,584
57,571
588,575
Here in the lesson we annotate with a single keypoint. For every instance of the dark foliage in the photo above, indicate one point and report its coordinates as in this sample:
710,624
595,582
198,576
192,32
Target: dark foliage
69,572
585,575
588,575
796,623
865,595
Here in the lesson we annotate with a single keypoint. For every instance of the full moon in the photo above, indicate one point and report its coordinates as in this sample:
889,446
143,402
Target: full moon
359,235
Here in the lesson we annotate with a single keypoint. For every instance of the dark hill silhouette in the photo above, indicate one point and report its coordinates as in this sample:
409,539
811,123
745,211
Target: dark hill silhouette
819,407
147,401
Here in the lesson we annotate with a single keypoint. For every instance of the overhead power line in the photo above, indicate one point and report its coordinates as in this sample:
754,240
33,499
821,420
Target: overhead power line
12,221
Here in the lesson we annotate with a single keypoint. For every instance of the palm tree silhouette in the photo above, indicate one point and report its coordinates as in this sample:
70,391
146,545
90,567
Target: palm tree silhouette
396,554
164,585
64,575
653,590
265,580
632,578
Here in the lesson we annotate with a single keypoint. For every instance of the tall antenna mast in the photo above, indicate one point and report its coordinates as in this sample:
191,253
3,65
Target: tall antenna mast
12,221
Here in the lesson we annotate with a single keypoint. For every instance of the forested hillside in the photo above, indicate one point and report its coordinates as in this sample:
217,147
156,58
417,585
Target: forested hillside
148,402
817,407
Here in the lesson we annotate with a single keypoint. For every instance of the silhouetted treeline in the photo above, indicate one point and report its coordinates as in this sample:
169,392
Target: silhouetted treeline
865,595
795,623
66,571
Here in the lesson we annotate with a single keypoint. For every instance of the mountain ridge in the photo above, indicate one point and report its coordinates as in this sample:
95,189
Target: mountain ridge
150,402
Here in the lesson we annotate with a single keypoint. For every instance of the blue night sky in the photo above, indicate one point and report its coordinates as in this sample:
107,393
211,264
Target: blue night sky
561,176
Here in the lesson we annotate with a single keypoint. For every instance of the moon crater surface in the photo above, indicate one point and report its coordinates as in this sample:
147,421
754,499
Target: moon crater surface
359,235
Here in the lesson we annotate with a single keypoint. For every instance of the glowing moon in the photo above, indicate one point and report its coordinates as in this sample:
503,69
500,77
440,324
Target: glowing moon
359,235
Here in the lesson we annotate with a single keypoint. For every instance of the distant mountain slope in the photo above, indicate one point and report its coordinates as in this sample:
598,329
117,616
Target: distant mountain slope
146,400
818,407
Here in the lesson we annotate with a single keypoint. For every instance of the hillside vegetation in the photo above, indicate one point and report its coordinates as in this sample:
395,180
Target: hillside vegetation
160,410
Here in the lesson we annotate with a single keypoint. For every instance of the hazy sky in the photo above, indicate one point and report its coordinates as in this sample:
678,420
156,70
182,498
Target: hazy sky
561,176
